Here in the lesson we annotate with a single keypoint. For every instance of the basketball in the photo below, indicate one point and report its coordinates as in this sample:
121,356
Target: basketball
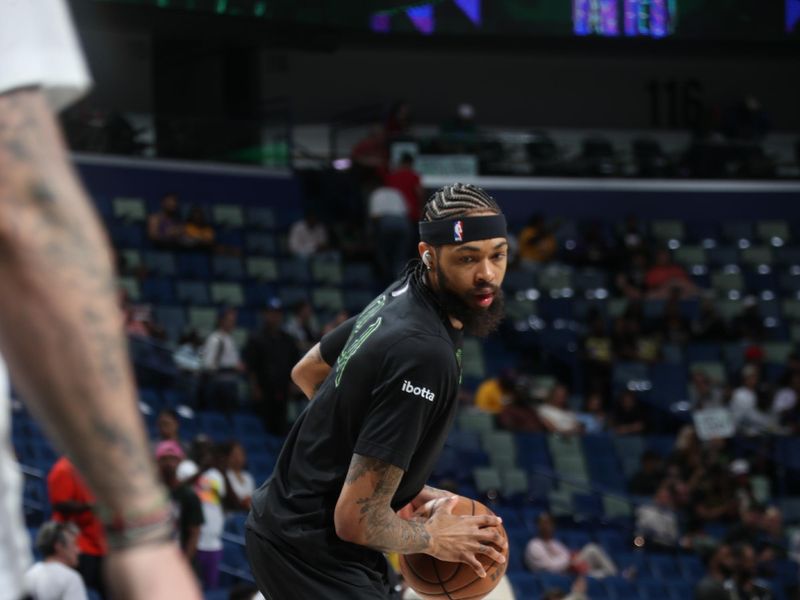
434,579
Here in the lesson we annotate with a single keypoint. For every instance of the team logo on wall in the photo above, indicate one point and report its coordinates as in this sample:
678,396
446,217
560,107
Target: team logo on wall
458,231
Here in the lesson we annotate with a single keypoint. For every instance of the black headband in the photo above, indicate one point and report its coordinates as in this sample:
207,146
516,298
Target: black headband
462,229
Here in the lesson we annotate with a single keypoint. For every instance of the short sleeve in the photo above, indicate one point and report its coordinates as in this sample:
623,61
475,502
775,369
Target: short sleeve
75,588
60,486
331,344
414,380
40,48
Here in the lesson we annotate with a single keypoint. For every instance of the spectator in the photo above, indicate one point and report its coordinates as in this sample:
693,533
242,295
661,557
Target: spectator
55,577
138,318
709,326
72,502
197,233
628,417
242,484
593,418
631,239
302,326
628,340
719,568
597,352
189,355
392,230
703,392
555,414
408,182
519,416
186,504
743,487
307,236
211,490
270,354
713,499
784,404
665,276
370,155
748,529
546,553
674,327
497,392
748,325
537,243
646,481
657,523
222,363
743,583
746,412
164,228
592,249
168,427
631,279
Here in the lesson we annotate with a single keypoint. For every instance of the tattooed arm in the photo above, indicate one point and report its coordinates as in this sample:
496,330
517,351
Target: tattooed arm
62,336
364,516
309,373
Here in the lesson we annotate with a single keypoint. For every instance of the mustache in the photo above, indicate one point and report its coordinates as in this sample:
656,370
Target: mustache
488,288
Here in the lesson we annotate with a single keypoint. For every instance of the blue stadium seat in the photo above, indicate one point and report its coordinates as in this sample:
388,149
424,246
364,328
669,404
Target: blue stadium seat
551,580
192,292
621,588
234,523
258,294
722,256
669,384
681,590
702,352
227,267
172,319
356,300
215,425
193,266
260,218
160,263
574,539
247,425
233,555
525,585
158,290
612,540
126,235
261,244
232,238
294,270
358,275
653,590
664,567
692,567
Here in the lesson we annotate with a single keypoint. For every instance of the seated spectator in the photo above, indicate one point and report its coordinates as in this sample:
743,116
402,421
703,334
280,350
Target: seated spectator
73,502
270,354
657,522
307,236
302,326
537,243
55,577
631,279
748,325
743,486
164,228
713,498
407,181
629,341
496,392
592,248
197,233
188,357
392,230
743,583
628,417
719,567
746,408
242,484
593,418
519,416
703,392
222,364
186,504
665,276
597,353
646,481
709,326
631,239
546,553
674,328
784,404
556,415
138,318
748,529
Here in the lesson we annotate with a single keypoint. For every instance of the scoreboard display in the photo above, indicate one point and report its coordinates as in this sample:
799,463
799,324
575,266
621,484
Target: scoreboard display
682,19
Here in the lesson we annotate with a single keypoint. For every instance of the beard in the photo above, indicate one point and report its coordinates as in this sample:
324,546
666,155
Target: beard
479,322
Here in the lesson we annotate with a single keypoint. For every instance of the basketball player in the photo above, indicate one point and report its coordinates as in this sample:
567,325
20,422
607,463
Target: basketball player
373,431
60,327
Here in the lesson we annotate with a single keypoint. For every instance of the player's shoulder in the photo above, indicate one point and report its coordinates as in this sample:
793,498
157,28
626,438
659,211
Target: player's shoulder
421,347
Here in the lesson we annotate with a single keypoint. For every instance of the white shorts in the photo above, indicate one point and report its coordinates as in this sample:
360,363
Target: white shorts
39,47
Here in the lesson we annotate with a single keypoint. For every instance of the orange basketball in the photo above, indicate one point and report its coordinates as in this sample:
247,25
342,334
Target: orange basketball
435,579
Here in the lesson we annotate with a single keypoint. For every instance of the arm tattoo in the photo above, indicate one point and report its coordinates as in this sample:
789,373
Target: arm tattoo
385,531
61,329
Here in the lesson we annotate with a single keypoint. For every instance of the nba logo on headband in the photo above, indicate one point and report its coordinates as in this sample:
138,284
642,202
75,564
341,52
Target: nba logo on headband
458,231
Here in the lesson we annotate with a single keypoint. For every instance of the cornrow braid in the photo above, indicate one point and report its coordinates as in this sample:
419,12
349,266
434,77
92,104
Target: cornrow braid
458,200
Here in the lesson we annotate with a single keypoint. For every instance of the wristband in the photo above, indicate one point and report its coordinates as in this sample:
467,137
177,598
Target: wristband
153,524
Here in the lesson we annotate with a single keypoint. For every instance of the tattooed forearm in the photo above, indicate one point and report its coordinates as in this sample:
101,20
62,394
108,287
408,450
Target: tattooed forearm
381,528
60,325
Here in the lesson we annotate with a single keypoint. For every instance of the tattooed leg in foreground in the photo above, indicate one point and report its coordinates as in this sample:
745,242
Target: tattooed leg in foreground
62,336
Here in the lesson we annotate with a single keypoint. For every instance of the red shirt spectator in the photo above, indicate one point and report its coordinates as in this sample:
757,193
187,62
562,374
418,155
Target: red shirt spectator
408,182
72,501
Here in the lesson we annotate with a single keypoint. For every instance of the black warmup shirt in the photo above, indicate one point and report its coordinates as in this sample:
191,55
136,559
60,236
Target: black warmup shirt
390,395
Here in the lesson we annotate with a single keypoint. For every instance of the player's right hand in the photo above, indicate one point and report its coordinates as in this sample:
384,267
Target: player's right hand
151,572
456,538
